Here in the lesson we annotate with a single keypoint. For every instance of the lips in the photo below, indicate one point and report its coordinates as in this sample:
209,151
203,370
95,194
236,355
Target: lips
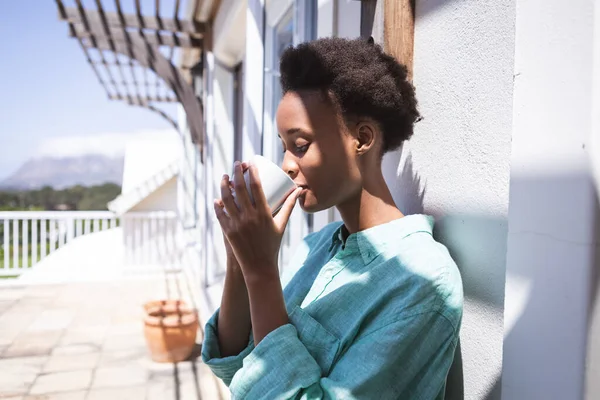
304,189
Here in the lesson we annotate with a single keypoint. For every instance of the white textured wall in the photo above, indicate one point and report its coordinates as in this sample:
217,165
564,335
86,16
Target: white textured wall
593,356
254,66
457,165
553,218
230,48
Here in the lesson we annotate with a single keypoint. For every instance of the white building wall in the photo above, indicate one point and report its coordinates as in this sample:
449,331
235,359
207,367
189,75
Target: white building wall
553,218
221,162
227,51
148,155
253,79
162,199
592,389
458,168
457,165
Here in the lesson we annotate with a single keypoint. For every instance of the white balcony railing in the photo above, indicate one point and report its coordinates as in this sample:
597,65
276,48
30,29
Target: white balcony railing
144,238
27,237
151,239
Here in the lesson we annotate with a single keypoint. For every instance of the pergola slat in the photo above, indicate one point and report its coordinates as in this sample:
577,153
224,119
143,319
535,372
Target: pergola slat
72,30
174,25
139,37
107,32
175,18
143,100
158,39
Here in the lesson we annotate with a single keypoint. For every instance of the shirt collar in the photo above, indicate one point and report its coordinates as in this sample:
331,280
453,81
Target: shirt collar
371,242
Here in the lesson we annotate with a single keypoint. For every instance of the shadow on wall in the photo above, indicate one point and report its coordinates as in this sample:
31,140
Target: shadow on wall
593,346
405,185
551,270
539,283
409,193
369,7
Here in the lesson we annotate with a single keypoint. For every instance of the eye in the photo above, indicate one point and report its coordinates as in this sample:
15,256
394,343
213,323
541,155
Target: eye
302,149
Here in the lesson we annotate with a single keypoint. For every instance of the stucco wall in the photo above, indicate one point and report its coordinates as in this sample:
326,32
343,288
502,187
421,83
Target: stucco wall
553,218
457,165
593,356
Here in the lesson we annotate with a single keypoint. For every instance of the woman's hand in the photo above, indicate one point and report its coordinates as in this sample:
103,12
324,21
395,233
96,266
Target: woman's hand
253,233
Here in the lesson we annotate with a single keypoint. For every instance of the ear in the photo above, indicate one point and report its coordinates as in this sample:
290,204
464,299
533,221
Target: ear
366,134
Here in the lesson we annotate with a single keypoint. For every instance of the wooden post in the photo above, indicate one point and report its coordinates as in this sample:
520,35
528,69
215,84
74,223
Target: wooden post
392,24
399,31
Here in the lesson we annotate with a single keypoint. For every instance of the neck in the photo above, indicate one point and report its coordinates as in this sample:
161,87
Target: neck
373,205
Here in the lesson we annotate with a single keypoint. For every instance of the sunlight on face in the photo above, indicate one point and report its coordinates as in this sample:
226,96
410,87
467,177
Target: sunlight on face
319,151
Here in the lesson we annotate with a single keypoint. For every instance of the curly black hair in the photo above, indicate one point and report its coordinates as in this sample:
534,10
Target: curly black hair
363,79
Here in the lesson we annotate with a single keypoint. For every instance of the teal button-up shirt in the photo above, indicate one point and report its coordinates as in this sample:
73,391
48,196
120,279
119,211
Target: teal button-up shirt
376,317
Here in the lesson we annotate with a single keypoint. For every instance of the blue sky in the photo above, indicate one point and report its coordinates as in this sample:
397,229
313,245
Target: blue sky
50,100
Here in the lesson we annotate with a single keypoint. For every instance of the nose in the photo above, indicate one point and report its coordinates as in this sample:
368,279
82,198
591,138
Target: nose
289,165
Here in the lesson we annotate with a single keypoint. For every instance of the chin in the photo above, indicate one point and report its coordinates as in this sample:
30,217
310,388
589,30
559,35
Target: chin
309,204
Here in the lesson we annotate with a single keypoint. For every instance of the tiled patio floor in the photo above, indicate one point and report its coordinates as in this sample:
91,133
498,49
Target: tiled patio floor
81,341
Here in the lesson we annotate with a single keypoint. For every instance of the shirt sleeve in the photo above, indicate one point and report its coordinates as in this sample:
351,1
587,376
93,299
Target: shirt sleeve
223,367
407,358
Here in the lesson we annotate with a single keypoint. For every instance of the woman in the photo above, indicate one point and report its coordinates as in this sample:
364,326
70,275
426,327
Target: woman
375,307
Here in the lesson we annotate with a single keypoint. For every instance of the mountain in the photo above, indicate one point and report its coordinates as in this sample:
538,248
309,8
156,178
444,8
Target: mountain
86,170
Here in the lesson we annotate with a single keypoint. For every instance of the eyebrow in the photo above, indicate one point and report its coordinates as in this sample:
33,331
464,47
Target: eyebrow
294,131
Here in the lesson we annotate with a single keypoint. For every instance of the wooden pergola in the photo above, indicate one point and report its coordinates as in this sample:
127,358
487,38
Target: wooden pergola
132,55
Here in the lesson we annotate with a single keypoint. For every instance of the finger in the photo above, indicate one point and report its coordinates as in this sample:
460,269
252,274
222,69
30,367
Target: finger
257,191
220,213
241,191
282,217
227,198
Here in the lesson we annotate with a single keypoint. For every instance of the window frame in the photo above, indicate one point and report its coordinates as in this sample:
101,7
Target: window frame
304,28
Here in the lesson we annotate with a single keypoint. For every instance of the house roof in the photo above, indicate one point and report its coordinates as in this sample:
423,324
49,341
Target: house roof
126,201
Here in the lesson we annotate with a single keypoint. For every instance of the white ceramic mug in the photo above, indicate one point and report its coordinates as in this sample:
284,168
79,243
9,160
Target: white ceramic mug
276,184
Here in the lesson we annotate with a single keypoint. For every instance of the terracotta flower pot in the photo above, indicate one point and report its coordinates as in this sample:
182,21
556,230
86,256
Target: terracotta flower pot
163,303
170,329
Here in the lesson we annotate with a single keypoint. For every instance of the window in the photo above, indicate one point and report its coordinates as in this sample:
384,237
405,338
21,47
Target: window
288,22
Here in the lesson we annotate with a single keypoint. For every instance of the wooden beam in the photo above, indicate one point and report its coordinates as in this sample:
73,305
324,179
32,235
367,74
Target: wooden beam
116,32
144,100
158,39
71,14
115,64
151,57
399,31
